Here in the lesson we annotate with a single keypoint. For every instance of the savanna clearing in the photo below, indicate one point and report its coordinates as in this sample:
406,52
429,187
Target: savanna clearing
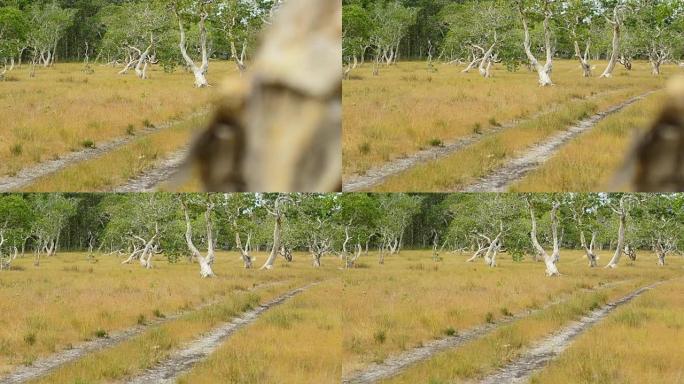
455,128
417,318
63,111
141,317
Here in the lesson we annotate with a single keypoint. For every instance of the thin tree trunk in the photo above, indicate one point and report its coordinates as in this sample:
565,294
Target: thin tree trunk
544,71
551,269
614,56
199,71
205,266
619,249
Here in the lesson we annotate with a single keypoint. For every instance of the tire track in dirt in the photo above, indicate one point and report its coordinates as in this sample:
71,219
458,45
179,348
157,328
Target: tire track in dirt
538,356
396,364
377,175
160,172
500,179
184,359
45,365
28,175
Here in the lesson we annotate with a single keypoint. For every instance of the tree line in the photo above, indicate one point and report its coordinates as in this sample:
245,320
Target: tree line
133,34
480,33
140,227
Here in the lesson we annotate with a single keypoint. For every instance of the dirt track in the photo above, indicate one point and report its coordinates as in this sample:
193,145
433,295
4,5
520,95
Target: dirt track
184,359
378,174
520,370
28,175
533,158
396,364
150,179
45,365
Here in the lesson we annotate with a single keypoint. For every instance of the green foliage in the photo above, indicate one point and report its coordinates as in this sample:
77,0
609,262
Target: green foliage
14,27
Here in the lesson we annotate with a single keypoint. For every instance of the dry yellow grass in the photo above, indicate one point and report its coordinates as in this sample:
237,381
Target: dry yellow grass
591,162
298,342
406,108
411,300
68,300
467,165
62,108
122,164
639,343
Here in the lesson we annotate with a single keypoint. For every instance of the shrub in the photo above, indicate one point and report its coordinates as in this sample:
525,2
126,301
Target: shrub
141,319
130,130
88,143
30,338
436,143
158,313
380,336
147,123
489,317
16,149
450,331
101,333
365,148
506,312
477,129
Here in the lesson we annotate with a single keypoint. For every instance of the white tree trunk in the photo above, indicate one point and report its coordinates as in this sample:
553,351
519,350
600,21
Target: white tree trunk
655,67
134,255
201,70
205,266
615,55
316,259
141,67
246,259
544,71
622,213
589,250
277,232
551,269
584,58
492,250
486,63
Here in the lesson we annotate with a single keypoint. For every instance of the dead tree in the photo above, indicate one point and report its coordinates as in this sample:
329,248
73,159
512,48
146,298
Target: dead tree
144,254
278,129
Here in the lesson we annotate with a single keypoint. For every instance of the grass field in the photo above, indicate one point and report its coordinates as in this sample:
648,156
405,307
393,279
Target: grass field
63,110
406,109
343,324
412,300
636,345
69,300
